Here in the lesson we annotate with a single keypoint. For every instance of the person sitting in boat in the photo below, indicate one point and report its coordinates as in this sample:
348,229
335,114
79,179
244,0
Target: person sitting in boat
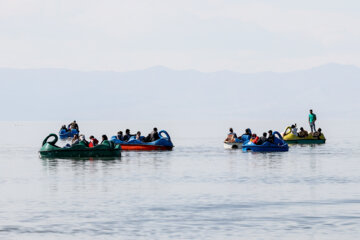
153,136
127,135
75,140
120,136
231,136
246,136
74,125
271,138
104,138
262,139
247,132
64,128
138,136
317,134
254,138
303,133
294,129
93,141
83,139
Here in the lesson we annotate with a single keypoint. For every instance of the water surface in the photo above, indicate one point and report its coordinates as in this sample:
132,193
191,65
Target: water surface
197,191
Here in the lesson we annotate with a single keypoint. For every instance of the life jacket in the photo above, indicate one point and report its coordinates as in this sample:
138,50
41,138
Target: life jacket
91,145
255,140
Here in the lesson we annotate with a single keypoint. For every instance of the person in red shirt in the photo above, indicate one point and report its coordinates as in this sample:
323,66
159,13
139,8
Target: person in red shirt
254,138
93,141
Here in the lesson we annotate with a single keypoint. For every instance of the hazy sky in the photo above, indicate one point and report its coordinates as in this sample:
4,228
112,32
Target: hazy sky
241,35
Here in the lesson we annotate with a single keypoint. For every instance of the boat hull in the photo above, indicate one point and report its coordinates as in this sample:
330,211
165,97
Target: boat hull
306,141
162,144
139,147
80,150
234,145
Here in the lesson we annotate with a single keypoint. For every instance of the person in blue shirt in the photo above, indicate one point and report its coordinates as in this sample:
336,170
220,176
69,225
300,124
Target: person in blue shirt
312,120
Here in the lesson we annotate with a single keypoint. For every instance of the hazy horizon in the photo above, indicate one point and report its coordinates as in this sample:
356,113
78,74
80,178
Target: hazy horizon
161,93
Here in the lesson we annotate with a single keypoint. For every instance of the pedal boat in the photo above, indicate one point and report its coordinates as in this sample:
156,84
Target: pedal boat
63,134
236,143
279,145
162,144
105,149
310,139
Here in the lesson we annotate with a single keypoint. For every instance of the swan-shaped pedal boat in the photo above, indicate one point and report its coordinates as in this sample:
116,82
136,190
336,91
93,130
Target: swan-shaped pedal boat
290,138
105,149
163,143
63,134
279,145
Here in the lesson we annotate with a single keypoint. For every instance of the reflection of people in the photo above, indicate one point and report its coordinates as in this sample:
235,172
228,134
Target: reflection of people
312,120
303,133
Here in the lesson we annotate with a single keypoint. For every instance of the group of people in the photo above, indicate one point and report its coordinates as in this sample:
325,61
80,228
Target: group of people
81,138
303,133
72,125
266,137
92,142
153,136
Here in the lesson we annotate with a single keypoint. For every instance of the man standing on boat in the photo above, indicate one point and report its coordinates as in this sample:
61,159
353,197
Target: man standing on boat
312,120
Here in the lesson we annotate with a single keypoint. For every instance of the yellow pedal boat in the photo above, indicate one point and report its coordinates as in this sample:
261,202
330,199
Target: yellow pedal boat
310,139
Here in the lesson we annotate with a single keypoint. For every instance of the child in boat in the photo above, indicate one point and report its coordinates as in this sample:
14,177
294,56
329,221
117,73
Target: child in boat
303,133
93,141
231,136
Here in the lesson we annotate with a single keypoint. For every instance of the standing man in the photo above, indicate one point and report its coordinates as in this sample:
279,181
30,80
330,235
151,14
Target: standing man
312,120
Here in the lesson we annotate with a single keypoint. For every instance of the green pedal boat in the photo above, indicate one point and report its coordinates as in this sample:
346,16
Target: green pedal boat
80,150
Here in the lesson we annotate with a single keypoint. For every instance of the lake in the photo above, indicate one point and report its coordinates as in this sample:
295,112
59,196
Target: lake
197,191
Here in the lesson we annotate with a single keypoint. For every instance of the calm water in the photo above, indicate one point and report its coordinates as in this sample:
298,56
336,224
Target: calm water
197,191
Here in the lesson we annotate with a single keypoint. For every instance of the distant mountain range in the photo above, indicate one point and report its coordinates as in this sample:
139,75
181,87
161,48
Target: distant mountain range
161,93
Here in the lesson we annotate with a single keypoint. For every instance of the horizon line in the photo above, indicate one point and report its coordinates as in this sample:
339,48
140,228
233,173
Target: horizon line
177,70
